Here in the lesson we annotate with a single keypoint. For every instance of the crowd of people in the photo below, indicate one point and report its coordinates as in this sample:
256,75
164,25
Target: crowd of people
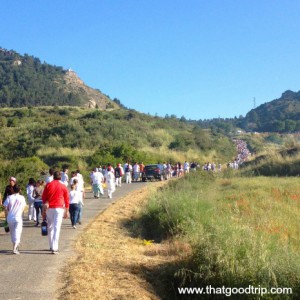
243,154
48,200
57,196
114,176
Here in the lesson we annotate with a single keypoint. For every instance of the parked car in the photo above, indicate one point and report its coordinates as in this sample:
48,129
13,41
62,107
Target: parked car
155,171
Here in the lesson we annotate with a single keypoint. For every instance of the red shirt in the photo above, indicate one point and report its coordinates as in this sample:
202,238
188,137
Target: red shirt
56,194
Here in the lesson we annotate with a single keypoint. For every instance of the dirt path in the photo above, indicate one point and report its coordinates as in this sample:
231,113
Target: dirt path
111,263
35,274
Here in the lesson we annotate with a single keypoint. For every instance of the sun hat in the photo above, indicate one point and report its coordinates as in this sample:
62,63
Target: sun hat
13,179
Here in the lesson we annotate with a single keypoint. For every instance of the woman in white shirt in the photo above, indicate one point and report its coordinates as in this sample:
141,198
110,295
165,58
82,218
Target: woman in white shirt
74,205
14,206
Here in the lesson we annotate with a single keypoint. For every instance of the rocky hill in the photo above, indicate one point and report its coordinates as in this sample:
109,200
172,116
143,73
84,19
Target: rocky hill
26,81
92,98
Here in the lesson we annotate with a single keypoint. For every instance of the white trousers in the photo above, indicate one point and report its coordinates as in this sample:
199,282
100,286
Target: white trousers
119,181
31,211
128,177
110,188
15,229
54,219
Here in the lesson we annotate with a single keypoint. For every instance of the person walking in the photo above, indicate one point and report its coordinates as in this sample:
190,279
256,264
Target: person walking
186,167
96,180
128,171
219,167
80,177
29,190
9,189
38,203
65,177
50,176
193,166
142,167
119,174
56,197
110,181
80,188
14,206
136,171
74,205
169,171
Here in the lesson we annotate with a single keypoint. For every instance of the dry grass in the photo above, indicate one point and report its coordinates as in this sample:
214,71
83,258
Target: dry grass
111,264
189,155
64,151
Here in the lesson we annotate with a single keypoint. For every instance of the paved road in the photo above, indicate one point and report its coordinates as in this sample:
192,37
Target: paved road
33,274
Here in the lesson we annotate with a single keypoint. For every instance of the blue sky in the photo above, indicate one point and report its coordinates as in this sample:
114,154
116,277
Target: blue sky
194,58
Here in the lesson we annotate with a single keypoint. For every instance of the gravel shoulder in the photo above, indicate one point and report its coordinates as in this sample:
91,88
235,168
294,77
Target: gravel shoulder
113,262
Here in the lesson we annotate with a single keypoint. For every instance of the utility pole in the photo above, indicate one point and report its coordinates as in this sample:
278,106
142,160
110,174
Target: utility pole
254,103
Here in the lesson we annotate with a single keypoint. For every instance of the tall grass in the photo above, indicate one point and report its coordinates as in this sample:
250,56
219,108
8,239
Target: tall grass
274,164
242,230
47,151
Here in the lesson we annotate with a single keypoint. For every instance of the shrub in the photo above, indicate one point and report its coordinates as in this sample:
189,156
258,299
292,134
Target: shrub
22,169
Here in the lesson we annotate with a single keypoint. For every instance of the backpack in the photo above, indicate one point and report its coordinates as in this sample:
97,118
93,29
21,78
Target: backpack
119,172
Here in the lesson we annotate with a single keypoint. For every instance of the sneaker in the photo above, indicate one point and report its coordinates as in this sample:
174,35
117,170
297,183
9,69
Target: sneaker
74,226
79,222
16,250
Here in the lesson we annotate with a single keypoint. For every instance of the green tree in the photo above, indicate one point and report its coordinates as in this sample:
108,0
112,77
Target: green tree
290,125
279,126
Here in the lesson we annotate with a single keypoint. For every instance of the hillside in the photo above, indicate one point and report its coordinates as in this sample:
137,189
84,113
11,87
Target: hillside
39,137
25,81
279,115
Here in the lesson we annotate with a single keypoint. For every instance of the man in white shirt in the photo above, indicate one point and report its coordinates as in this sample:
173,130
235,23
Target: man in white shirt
50,176
128,171
29,190
64,177
136,171
110,181
186,167
78,174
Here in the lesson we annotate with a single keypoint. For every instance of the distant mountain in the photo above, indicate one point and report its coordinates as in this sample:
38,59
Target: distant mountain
280,115
26,81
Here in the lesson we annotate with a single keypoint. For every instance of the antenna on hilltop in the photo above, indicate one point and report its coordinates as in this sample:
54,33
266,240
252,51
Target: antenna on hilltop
254,103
